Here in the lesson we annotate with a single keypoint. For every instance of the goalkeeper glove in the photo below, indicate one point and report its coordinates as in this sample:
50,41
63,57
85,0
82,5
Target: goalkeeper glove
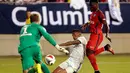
61,49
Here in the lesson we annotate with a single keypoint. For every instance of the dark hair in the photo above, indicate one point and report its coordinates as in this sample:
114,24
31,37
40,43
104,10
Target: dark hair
76,30
34,18
92,1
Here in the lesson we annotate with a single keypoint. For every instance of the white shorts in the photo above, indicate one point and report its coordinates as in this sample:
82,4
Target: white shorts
70,65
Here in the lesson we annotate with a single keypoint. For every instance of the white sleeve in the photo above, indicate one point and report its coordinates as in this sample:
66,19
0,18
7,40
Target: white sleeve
82,40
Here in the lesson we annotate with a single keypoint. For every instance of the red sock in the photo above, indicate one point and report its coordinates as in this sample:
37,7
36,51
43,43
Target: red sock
92,59
98,51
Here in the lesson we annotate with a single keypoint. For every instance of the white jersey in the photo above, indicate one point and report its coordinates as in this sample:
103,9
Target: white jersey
78,51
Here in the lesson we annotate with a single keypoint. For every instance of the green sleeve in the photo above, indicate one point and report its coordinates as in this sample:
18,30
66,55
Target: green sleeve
47,36
21,30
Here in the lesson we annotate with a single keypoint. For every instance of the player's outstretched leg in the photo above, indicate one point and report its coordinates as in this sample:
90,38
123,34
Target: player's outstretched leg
105,48
99,50
109,49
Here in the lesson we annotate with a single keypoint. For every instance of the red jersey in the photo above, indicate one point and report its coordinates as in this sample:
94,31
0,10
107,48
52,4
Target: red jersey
96,19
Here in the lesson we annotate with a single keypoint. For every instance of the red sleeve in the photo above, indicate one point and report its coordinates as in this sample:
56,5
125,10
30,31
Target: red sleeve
101,16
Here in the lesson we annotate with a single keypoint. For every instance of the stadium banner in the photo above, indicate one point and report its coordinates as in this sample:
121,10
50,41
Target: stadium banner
58,17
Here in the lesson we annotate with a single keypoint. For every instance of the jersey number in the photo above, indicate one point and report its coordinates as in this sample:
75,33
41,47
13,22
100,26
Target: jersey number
25,30
25,33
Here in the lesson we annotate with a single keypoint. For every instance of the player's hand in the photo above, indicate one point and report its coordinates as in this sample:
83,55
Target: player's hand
108,38
66,51
83,27
61,49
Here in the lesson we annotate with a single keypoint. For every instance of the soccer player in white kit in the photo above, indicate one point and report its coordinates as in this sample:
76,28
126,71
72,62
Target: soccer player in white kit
75,60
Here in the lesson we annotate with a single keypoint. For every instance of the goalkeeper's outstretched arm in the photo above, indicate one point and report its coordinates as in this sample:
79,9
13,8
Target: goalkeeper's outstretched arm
47,36
51,40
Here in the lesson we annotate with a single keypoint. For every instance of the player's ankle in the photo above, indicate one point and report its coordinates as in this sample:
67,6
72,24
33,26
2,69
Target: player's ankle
97,71
107,47
74,72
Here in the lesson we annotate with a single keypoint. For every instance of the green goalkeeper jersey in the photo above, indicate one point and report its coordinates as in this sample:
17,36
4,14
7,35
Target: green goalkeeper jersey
30,35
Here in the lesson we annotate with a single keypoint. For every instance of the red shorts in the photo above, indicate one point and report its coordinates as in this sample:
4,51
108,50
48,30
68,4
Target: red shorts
94,41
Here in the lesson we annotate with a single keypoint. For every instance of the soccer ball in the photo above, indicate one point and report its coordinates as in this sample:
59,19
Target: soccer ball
50,59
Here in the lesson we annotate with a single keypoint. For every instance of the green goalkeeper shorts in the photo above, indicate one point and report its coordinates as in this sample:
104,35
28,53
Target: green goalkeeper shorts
29,55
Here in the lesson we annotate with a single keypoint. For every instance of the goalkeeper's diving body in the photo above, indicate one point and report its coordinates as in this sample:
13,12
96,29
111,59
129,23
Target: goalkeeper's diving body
29,47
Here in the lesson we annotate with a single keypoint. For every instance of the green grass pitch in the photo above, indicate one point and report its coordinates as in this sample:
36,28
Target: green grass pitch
107,64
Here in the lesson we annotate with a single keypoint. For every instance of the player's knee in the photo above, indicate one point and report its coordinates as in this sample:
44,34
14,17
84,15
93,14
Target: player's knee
55,71
25,71
89,52
62,71
59,70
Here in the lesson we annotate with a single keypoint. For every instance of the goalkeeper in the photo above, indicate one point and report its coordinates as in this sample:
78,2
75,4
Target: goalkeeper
29,48
28,14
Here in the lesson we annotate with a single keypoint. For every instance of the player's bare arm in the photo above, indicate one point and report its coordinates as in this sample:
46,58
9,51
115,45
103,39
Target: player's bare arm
70,43
107,29
84,26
